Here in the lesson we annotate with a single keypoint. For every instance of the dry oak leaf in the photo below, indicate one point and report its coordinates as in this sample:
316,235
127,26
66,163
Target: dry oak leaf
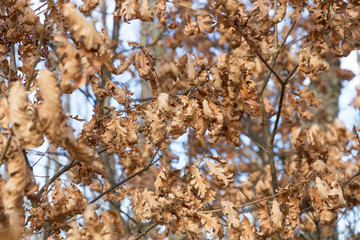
191,27
81,29
51,118
201,184
23,117
20,183
118,93
228,209
142,64
157,124
93,222
177,126
163,103
160,10
220,173
281,12
88,6
292,219
276,215
248,232
214,114
206,24
145,14
264,222
330,192
79,150
73,233
70,63
161,184
209,222
4,112
129,10
199,123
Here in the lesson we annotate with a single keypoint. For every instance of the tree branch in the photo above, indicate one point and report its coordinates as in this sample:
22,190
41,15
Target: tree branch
56,176
265,198
146,231
152,162
42,39
282,94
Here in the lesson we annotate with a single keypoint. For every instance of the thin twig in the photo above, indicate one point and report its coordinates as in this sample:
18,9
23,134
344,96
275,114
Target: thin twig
281,100
269,67
265,198
56,176
152,162
351,179
38,49
275,56
193,9
275,28
40,158
62,171
146,231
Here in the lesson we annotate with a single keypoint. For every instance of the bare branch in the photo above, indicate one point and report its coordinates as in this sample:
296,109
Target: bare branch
42,39
265,198
146,231
152,162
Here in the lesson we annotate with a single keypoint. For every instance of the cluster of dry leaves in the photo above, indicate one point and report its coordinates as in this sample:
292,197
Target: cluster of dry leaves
258,165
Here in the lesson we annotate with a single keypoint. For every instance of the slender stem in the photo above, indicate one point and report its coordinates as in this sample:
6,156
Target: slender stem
146,231
351,179
56,176
38,49
277,52
193,9
276,29
265,198
270,68
282,94
152,162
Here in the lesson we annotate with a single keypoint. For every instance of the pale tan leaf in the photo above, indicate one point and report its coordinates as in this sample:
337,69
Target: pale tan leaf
23,117
163,103
88,6
214,114
211,224
228,209
129,10
81,29
248,232
73,233
80,151
118,93
52,120
145,13
220,173
199,182
20,183
265,223
4,112
276,215
206,24
70,63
